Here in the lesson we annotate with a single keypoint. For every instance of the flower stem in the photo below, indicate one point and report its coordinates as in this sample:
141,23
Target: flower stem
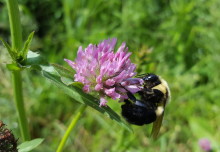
16,39
70,128
15,24
17,85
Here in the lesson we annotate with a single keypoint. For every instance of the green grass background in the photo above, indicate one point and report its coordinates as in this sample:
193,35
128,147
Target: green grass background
177,39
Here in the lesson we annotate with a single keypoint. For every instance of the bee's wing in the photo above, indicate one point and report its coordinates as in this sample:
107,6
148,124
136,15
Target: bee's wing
157,124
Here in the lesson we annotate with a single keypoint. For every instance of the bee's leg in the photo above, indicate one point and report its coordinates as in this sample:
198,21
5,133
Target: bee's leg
131,96
127,101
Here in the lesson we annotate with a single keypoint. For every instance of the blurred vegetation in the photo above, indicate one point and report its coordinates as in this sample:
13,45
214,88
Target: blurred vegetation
179,40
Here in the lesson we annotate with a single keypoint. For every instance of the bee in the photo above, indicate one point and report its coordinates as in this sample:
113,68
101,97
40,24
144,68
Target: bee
150,107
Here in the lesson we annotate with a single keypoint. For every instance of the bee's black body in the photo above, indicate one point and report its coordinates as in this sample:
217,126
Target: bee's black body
144,111
137,114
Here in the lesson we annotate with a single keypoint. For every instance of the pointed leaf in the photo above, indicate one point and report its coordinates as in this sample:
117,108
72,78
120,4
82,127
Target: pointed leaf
29,145
83,98
12,53
13,67
63,71
67,81
34,58
78,84
27,43
34,61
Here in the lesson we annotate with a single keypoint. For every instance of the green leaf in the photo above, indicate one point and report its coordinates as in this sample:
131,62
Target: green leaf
83,98
67,81
27,43
13,67
63,71
34,61
49,69
12,53
29,145
34,58
78,84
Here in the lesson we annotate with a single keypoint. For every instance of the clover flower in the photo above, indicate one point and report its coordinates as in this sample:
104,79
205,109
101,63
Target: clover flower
110,74
205,144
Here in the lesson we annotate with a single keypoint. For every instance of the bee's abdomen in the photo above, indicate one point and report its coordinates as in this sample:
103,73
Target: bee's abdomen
138,115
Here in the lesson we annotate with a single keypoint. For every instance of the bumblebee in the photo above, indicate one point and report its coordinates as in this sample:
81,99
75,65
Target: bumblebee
150,107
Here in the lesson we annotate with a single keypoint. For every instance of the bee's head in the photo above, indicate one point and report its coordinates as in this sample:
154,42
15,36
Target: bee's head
151,80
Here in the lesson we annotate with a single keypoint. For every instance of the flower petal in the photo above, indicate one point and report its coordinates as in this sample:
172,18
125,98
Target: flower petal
103,102
86,88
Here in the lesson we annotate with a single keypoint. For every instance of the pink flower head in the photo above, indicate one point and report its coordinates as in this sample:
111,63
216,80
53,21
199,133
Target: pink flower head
205,144
108,73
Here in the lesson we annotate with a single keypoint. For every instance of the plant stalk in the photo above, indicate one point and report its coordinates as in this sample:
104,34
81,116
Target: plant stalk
16,40
70,128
